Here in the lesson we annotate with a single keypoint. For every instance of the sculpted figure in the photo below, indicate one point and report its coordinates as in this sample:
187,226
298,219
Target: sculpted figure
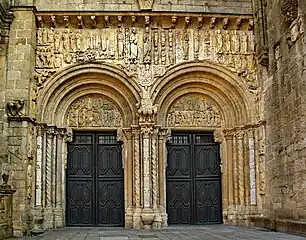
244,43
57,41
156,57
40,36
235,45
134,46
226,42
196,44
127,44
171,55
147,46
73,41
38,60
45,36
207,45
104,43
251,42
49,58
58,60
120,43
186,45
51,36
163,47
66,44
78,36
219,41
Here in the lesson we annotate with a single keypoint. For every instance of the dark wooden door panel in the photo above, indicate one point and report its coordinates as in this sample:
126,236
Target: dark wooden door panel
80,161
80,202
110,203
179,202
178,162
95,181
208,202
193,180
206,161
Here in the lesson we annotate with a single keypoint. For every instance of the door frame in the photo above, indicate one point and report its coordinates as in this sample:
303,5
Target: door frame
94,133
192,133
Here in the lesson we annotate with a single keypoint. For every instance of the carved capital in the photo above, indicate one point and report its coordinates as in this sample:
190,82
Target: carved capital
239,134
289,9
146,130
218,136
146,109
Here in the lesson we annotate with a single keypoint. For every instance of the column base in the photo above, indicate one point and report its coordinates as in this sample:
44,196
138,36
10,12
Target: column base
137,223
147,217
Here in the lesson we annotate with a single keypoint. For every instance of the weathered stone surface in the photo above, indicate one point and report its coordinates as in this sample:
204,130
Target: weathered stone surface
146,68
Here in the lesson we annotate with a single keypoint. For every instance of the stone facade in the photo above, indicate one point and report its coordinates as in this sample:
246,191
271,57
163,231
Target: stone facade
145,69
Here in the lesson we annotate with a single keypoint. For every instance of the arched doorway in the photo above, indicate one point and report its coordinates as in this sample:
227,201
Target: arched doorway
85,172
197,98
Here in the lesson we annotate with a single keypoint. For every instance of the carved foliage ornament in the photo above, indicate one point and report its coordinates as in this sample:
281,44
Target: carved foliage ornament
94,111
289,9
193,110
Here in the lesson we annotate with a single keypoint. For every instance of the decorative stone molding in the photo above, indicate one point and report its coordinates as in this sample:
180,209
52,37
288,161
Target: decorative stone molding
16,108
94,111
145,4
193,110
289,9
143,50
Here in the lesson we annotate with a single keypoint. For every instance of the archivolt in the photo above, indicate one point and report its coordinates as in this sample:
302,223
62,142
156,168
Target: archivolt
228,91
80,80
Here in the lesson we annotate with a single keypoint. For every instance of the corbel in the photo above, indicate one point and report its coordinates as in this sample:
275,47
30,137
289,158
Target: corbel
93,21
133,18
187,22
173,20
106,20
251,25
147,21
238,23
80,22
225,23
200,22
66,21
120,20
53,21
40,21
212,22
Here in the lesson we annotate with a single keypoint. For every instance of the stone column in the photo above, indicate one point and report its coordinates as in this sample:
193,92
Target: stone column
147,214
219,138
162,159
124,136
136,177
230,173
240,167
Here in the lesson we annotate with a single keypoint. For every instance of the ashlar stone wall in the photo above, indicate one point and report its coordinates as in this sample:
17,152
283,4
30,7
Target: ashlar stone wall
285,105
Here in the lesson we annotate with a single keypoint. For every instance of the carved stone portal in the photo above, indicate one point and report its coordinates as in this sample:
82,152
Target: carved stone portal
94,111
193,110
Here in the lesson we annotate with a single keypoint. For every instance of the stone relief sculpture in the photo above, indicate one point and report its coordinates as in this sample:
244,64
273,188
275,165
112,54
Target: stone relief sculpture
193,110
94,111
132,46
16,108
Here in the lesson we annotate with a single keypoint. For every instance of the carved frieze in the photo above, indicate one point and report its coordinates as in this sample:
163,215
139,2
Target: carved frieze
193,110
94,111
133,46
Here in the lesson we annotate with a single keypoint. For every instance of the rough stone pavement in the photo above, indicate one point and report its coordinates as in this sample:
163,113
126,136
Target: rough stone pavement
214,232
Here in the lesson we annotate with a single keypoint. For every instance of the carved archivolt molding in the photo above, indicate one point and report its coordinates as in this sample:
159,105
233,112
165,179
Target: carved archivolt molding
193,110
94,111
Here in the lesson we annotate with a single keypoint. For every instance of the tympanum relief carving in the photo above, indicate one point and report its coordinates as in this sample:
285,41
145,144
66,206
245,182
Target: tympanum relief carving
193,110
94,111
143,45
